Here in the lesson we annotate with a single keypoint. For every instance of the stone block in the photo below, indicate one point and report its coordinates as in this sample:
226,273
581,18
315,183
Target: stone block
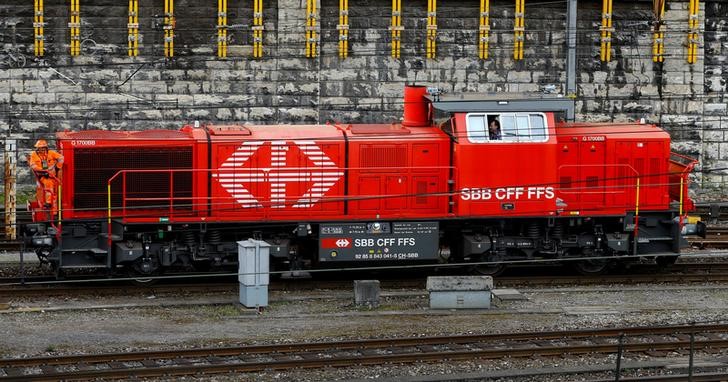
22,98
45,98
715,109
33,126
366,293
154,87
206,99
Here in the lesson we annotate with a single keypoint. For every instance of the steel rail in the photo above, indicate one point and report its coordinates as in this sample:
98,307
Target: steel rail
361,344
366,360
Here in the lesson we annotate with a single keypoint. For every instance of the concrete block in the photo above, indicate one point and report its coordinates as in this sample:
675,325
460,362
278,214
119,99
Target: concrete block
366,293
459,283
508,294
460,299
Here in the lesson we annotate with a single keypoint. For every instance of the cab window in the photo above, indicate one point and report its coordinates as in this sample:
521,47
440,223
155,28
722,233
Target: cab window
514,127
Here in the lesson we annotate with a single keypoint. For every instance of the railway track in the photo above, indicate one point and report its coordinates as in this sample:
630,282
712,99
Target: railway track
254,358
47,287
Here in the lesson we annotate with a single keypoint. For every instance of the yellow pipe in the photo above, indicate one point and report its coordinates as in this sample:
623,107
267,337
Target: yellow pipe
60,204
108,203
40,29
681,196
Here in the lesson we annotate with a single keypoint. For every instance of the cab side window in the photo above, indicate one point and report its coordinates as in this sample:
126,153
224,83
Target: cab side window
508,127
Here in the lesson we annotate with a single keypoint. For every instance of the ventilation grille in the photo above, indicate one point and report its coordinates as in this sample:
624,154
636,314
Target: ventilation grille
384,156
94,167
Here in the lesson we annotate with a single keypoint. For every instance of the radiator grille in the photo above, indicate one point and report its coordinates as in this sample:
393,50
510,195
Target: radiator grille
384,156
94,167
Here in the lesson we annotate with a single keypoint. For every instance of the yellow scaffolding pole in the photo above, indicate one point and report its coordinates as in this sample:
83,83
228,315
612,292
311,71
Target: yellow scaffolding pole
484,30
169,23
343,28
38,25
257,28
606,29
311,37
133,29
658,34
222,28
431,29
396,28
693,30
519,28
75,26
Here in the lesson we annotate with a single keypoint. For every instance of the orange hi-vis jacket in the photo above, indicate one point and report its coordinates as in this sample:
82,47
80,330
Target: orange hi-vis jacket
51,162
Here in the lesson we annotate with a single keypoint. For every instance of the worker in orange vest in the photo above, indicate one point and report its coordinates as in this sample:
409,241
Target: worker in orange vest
46,164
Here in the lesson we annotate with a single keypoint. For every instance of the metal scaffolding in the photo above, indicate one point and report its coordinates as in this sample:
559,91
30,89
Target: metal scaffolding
606,29
431,49
484,30
311,28
257,28
693,30
75,26
222,28
38,25
343,28
169,23
396,28
133,29
519,29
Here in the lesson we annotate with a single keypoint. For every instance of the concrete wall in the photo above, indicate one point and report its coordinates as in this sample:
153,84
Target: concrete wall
104,89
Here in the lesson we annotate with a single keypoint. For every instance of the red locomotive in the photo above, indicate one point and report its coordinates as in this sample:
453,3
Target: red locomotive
460,179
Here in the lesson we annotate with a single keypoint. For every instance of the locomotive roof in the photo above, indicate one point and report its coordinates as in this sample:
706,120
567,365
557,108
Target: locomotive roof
503,102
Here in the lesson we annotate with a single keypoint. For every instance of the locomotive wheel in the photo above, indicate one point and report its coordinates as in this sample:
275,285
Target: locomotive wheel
489,269
142,272
591,267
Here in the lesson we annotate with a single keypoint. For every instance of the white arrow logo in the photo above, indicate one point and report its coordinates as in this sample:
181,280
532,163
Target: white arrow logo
342,243
323,175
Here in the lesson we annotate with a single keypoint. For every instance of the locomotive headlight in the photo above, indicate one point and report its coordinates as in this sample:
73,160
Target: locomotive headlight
334,254
377,226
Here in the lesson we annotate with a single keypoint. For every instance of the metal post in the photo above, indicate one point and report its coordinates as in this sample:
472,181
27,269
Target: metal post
571,45
620,346
10,190
692,351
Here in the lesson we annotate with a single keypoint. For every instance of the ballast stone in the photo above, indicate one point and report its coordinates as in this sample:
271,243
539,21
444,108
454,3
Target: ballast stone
460,292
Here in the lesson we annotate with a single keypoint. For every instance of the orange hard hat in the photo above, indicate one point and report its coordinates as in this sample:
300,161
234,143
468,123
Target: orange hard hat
41,144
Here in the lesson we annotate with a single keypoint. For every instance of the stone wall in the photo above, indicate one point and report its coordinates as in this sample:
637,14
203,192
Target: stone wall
105,89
